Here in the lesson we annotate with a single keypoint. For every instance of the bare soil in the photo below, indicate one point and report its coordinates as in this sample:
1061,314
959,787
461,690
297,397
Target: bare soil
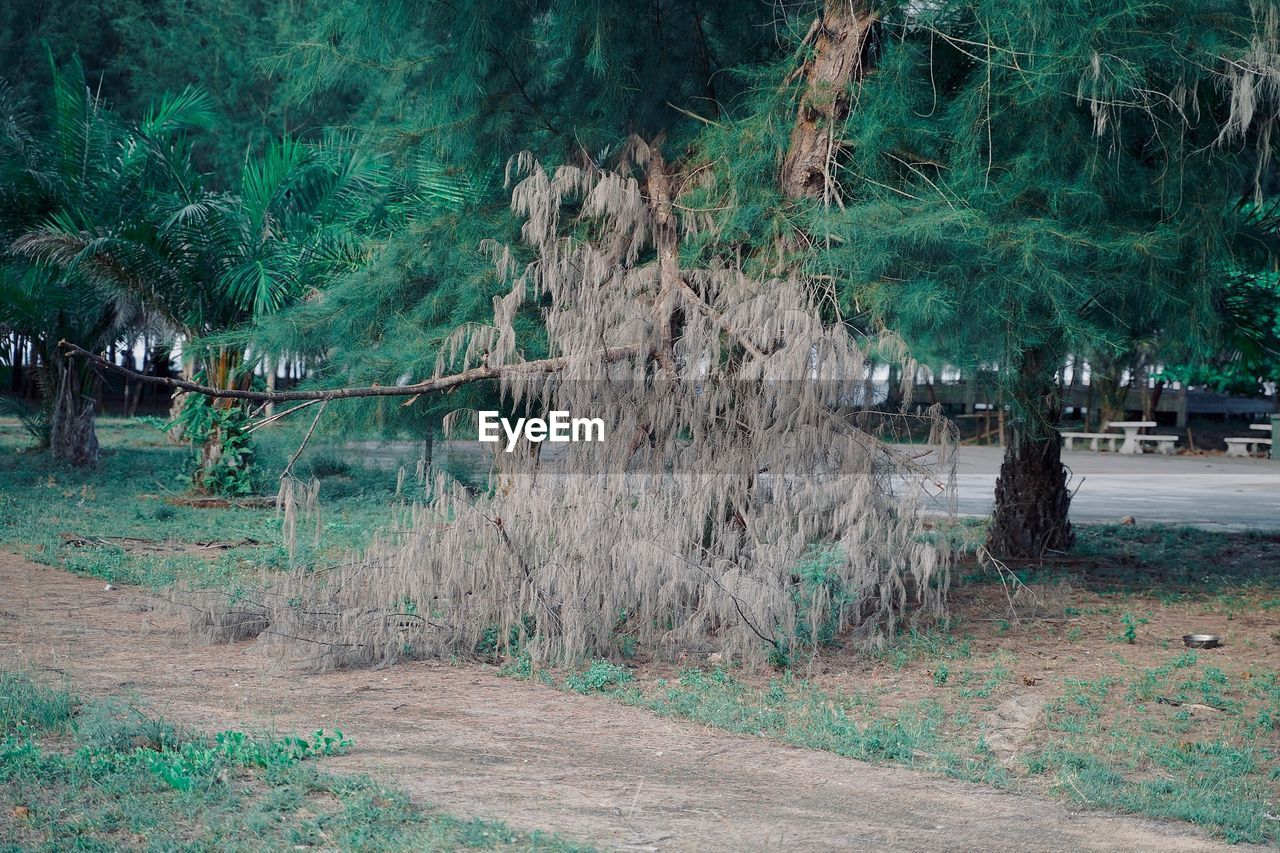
477,745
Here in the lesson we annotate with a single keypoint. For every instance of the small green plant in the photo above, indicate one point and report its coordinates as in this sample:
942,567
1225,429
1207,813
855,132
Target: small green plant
600,676
820,599
1129,632
223,457
1130,628
940,674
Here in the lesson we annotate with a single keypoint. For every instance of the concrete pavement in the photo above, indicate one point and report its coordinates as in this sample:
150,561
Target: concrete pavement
1204,491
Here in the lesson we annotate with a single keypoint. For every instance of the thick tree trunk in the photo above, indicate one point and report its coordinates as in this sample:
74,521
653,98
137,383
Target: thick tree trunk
1032,499
73,435
839,44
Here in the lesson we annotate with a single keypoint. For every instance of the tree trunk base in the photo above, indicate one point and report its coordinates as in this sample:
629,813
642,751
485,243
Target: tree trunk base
1032,500
73,434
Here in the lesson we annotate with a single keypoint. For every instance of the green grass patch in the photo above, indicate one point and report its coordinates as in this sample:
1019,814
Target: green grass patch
105,775
1179,560
117,523
1181,741
1143,747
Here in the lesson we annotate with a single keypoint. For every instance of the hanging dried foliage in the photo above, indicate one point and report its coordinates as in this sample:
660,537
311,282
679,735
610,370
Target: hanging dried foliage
733,505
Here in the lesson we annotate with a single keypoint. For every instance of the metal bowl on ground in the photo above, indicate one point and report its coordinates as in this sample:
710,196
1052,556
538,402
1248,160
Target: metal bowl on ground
1201,641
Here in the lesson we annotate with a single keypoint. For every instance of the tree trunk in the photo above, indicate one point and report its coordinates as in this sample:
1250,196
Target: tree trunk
839,39
73,435
1032,499
269,372
1154,400
16,383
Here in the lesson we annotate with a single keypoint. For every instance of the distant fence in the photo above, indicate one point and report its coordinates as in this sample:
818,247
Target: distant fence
967,398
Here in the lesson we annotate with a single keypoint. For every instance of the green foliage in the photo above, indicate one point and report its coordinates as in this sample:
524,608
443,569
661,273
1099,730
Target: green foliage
1129,624
598,677
819,595
76,187
554,78
34,419
223,456
1018,194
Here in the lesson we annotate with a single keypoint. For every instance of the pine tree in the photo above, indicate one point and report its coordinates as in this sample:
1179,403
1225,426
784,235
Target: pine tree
1021,181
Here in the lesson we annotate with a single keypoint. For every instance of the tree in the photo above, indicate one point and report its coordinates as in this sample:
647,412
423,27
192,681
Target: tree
89,172
729,502
1018,182
135,49
206,262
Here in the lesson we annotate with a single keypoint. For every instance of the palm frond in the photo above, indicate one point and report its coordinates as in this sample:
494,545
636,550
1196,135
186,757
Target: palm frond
190,109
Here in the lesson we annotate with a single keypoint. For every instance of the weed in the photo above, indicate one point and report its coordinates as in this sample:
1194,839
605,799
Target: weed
601,675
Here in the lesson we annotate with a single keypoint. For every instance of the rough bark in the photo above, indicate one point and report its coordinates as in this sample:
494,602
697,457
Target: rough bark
666,237
1032,499
73,435
838,60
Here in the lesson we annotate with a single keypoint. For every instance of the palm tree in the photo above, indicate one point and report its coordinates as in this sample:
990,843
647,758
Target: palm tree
91,174
204,262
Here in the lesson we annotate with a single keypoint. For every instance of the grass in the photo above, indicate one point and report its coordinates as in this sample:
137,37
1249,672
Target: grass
1170,733
1189,738
1181,561
1104,743
1217,765
104,776
118,522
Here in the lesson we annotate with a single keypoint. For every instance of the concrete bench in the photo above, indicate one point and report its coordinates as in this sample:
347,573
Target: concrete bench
1245,445
1164,443
1069,439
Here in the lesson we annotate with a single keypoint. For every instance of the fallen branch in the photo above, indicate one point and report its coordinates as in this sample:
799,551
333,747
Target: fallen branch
440,383
1190,706
213,502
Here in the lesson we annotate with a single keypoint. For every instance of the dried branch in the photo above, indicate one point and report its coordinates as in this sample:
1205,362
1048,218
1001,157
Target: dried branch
482,373
306,438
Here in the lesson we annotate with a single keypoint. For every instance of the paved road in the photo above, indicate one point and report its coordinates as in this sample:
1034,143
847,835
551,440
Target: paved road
1204,491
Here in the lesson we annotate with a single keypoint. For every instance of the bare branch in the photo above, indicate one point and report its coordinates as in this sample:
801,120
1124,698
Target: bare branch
441,383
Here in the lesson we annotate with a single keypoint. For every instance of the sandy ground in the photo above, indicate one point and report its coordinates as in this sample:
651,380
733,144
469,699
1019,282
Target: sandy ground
477,745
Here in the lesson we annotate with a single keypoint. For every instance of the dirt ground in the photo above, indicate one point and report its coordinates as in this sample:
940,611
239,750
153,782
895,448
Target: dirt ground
477,745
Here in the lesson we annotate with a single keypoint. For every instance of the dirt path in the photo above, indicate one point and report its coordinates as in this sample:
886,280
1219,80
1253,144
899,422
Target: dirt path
481,746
